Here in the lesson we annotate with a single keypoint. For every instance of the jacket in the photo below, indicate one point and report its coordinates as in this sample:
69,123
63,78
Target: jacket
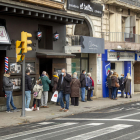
45,82
114,80
7,84
89,83
66,84
127,85
75,87
83,80
109,82
39,89
55,79
28,83
92,81
121,82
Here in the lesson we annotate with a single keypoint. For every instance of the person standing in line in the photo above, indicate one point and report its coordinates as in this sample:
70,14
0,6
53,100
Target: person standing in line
45,82
128,85
122,85
114,80
92,86
117,87
28,88
75,74
54,83
8,89
64,89
88,87
83,85
109,84
75,90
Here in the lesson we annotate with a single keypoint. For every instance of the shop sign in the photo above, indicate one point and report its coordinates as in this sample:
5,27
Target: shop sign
91,44
85,7
72,49
138,56
3,36
121,56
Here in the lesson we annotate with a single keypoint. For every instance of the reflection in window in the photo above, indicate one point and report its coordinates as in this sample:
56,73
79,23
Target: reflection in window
31,67
15,68
17,85
76,66
33,81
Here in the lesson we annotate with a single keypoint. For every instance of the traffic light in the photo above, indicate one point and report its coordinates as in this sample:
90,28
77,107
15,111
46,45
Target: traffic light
25,42
19,56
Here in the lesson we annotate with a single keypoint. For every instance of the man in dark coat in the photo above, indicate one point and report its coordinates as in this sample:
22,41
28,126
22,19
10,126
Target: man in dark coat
28,88
64,89
83,85
109,84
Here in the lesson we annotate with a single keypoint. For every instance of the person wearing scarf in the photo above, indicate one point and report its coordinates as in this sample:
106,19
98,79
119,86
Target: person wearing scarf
93,86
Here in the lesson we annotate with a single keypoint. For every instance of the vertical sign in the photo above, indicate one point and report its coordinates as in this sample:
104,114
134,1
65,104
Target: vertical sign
6,64
99,73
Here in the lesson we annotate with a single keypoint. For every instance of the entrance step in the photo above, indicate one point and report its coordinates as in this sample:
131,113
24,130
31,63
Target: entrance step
2,107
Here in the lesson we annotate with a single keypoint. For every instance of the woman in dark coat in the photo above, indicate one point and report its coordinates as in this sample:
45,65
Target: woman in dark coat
109,84
75,90
127,85
121,82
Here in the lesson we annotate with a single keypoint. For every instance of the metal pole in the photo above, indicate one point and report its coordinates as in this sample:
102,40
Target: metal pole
23,89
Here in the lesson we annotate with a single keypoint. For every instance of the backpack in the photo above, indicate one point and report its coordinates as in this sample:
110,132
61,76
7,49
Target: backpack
52,82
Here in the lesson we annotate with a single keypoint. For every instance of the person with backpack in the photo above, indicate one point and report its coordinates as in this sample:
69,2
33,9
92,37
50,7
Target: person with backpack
54,83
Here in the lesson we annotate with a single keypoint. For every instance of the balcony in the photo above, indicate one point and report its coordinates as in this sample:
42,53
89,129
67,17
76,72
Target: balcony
120,37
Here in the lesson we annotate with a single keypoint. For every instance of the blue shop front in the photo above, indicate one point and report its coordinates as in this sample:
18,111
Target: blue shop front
118,61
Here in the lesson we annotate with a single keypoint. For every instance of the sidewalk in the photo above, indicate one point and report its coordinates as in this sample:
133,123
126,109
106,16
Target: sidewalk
7,119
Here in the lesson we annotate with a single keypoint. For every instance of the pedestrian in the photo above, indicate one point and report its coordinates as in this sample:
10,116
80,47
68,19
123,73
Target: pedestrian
54,83
8,89
83,85
38,89
128,85
75,74
88,86
75,90
45,82
92,86
28,88
121,82
114,84
109,84
64,89
117,87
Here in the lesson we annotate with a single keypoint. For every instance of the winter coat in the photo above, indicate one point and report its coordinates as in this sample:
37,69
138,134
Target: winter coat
109,82
45,82
55,79
121,82
127,85
83,80
92,81
114,80
89,82
7,84
39,89
75,87
66,84
28,83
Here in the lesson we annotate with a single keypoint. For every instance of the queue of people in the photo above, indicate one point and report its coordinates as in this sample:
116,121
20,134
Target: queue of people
116,83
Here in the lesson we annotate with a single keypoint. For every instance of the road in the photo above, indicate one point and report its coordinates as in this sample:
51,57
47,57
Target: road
115,123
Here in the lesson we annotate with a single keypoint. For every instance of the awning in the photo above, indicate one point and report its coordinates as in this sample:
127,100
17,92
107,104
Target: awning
54,55
28,10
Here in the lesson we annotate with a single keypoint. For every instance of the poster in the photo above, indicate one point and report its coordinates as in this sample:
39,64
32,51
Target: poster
99,73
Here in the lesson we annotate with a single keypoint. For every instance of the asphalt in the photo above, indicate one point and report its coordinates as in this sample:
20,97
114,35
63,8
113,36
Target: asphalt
121,122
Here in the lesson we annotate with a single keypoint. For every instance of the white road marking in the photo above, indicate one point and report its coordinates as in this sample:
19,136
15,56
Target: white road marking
127,115
99,132
15,135
136,138
45,123
61,132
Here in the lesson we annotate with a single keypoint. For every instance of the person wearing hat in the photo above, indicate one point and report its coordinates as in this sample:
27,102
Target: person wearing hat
121,82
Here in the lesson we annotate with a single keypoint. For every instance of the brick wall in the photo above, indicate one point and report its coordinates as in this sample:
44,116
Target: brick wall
137,73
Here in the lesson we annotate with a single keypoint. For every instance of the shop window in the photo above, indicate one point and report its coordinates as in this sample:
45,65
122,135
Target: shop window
17,86
15,68
112,66
76,66
46,41
84,64
85,55
33,81
30,66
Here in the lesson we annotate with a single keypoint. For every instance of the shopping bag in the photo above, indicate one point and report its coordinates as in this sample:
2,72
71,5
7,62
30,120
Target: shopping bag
54,97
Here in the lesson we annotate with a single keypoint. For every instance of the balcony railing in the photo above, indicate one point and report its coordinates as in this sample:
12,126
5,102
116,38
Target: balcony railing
132,2
120,37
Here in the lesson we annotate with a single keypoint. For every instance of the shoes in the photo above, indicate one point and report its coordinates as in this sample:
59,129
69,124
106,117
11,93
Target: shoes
90,100
42,106
38,108
16,110
126,97
57,104
32,108
83,101
66,110
130,96
9,111
46,107
61,109
28,109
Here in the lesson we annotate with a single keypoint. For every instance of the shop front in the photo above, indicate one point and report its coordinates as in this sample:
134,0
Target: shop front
120,62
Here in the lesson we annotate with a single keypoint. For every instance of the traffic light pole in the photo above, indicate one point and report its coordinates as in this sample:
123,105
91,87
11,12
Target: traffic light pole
23,89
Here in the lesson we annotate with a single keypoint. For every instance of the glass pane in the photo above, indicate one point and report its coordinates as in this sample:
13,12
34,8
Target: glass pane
17,86
15,68
84,65
84,55
33,81
31,67
75,66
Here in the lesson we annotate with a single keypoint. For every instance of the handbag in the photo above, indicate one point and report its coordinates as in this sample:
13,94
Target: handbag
92,88
117,85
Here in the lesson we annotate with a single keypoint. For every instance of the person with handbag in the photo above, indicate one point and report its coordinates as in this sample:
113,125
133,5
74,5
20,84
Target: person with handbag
75,90
38,89
89,87
114,84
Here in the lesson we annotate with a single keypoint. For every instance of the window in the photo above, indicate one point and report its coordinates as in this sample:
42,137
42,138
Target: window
17,86
46,41
31,67
15,68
